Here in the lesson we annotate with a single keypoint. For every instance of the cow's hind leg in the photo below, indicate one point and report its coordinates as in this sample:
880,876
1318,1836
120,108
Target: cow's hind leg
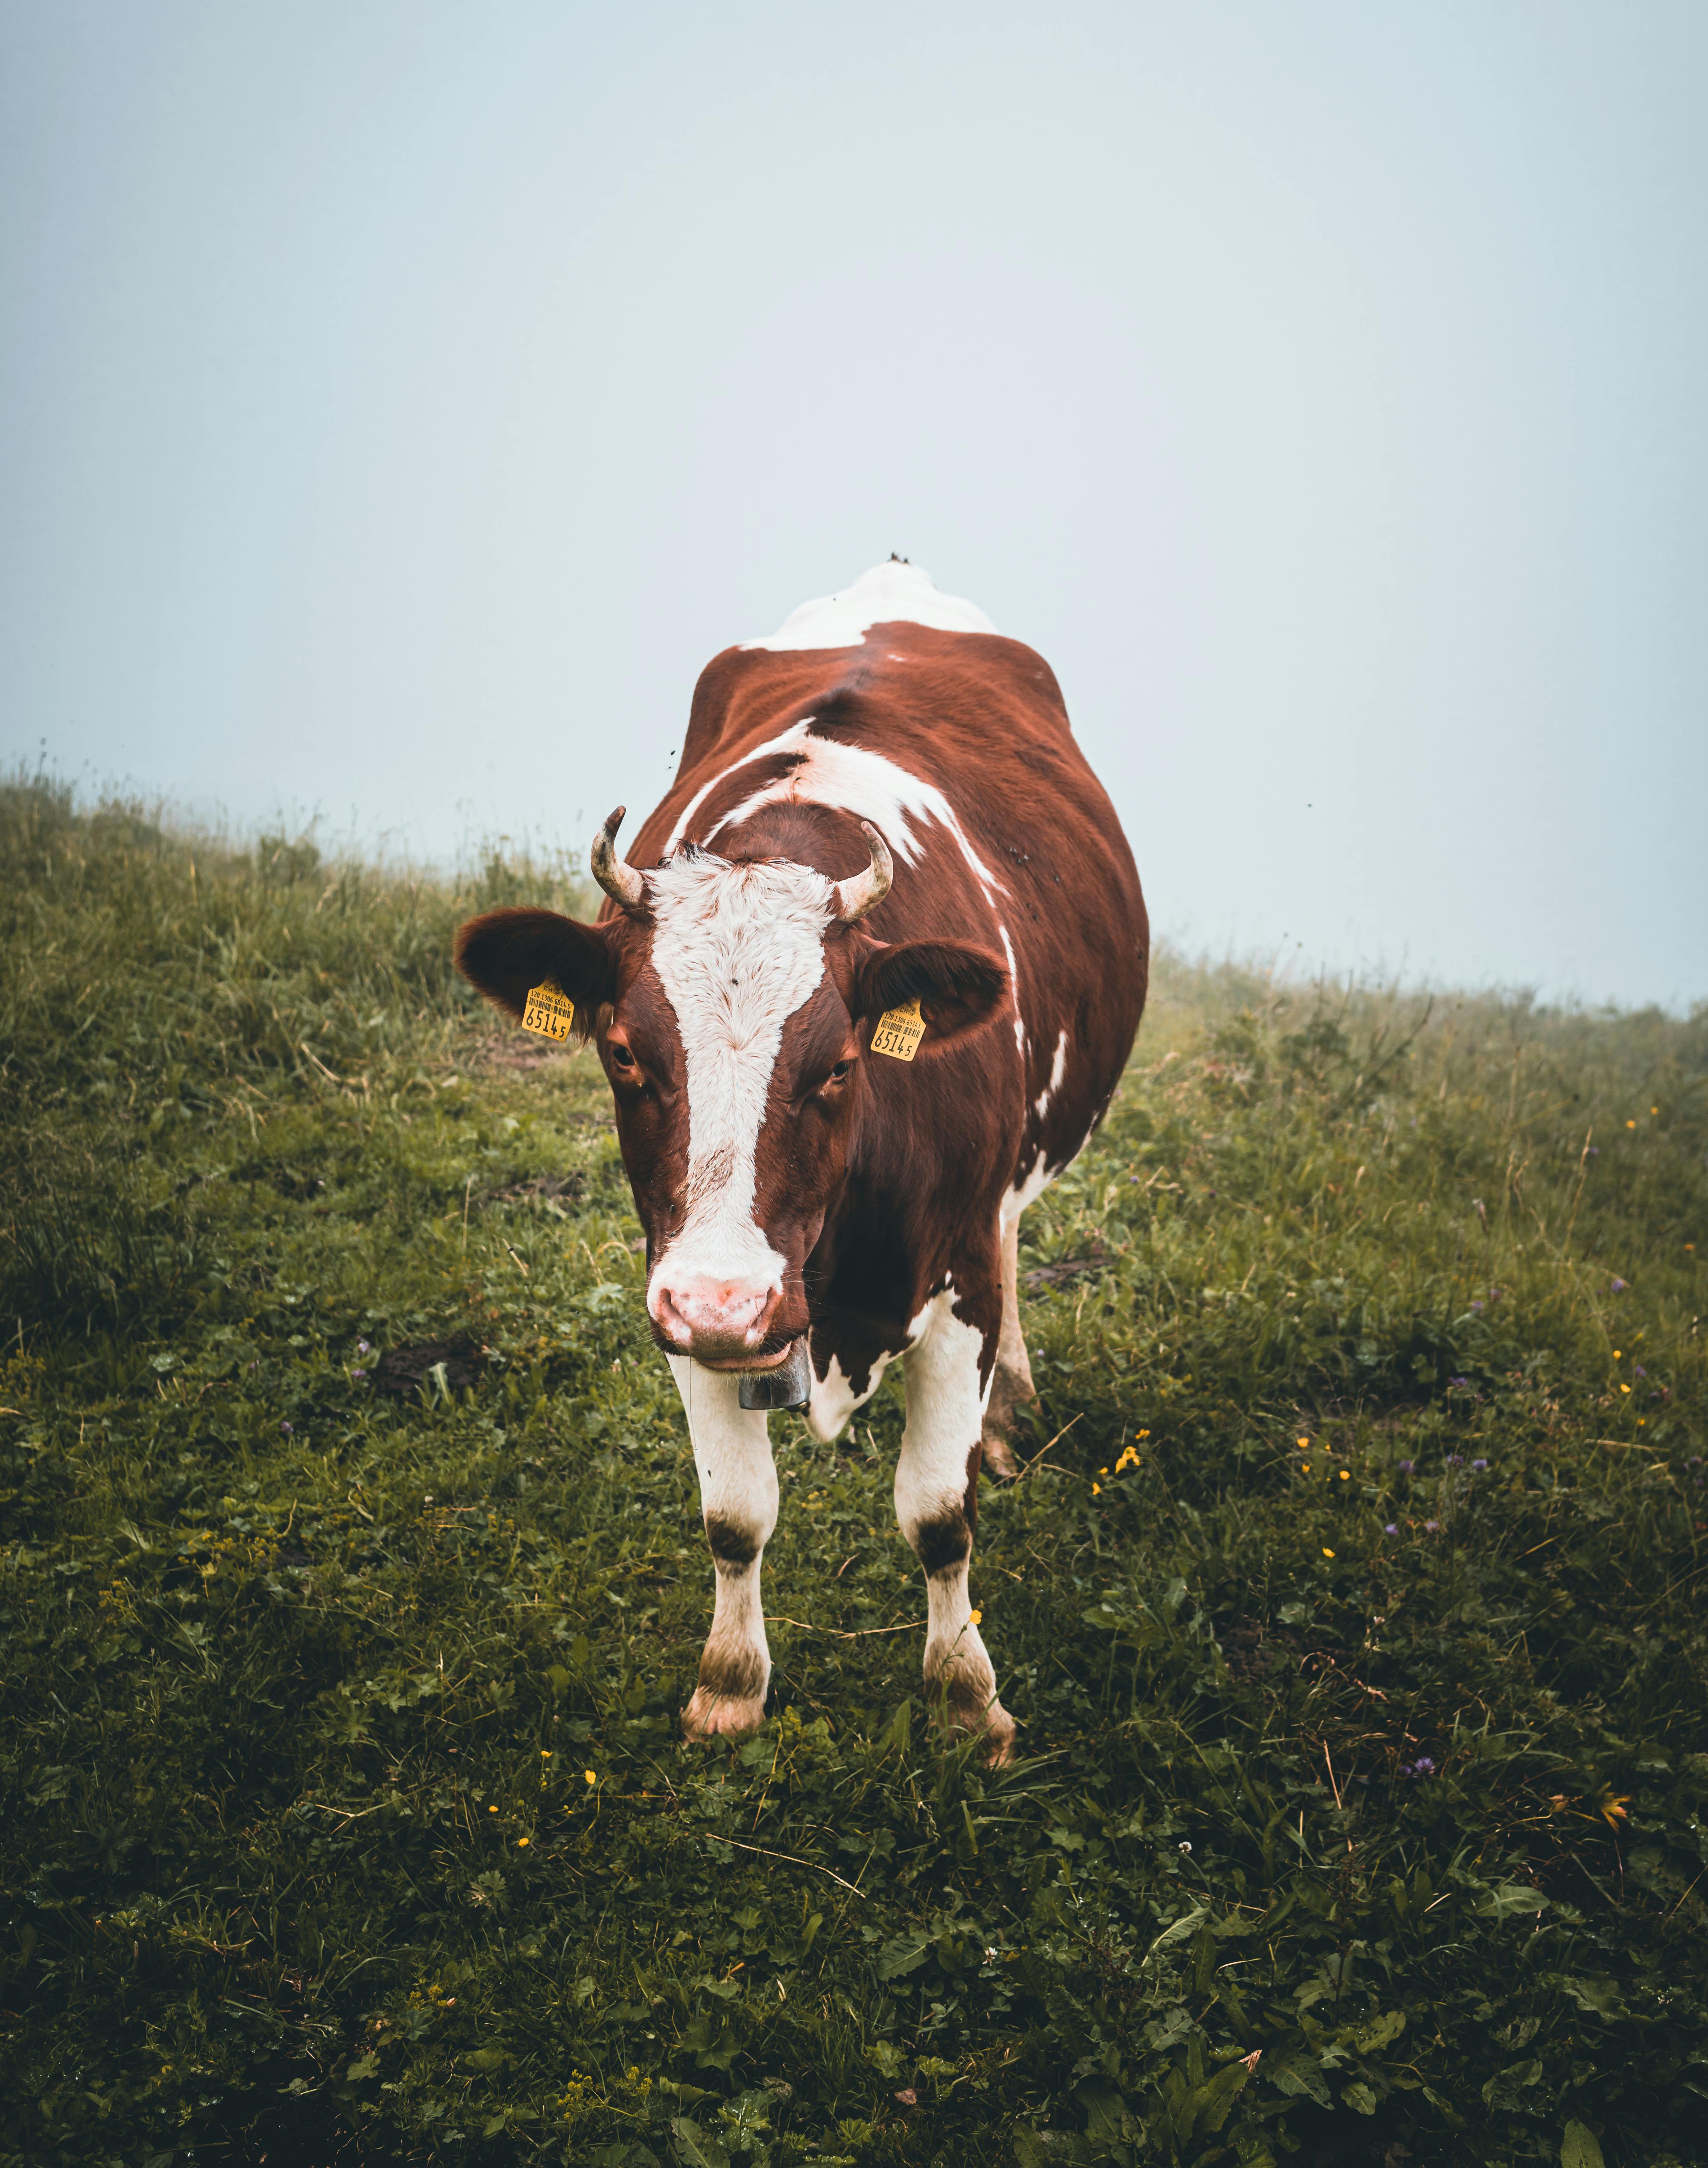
937,1505
738,1504
1011,1385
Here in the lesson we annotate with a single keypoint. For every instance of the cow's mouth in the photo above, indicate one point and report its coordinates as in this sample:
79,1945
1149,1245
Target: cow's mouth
730,1354
750,1365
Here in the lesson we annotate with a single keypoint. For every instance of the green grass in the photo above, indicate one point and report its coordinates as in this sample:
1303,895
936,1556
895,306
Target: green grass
346,1814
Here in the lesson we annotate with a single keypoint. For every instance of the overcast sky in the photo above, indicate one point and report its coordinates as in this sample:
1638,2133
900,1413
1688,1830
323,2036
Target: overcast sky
401,402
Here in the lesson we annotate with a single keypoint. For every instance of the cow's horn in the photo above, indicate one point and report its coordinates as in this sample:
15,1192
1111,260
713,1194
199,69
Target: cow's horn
858,894
615,875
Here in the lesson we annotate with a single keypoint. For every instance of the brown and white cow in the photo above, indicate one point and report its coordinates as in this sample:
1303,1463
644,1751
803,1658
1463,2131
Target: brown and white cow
882,801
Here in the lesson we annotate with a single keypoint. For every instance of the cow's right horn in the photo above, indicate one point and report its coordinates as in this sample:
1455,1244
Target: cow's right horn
861,892
615,875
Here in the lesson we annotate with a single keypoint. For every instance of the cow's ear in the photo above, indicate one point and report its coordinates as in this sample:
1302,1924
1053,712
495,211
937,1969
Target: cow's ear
508,952
958,988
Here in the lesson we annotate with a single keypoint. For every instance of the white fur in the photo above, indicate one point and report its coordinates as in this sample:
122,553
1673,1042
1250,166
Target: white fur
945,1415
1027,1192
738,1483
737,950
880,597
1058,1069
834,1399
855,780
1014,984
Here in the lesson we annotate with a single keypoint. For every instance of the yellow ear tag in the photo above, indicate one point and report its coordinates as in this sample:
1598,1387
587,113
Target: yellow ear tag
549,1012
899,1032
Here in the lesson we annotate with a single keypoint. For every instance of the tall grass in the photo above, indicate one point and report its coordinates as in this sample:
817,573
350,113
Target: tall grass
1351,1606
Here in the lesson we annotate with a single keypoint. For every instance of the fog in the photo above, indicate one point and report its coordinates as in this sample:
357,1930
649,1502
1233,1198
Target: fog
402,402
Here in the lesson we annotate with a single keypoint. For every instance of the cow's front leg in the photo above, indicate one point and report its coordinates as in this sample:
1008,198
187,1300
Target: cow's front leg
738,1504
937,1505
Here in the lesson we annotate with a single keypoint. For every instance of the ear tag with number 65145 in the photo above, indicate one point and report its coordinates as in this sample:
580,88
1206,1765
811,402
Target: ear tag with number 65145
549,1012
900,1031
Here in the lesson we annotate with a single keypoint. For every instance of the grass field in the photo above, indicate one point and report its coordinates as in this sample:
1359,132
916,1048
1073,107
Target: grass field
353,1580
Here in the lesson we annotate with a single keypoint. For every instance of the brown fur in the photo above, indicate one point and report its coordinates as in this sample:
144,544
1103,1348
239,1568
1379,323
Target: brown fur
880,1188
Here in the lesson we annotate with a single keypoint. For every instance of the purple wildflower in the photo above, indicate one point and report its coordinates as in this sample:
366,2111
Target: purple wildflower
1432,1528
285,1427
1422,1767
1640,1370
1406,1466
1477,1305
1456,1460
1392,1529
1619,1286
361,1347
1463,1382
1479,1465
358,1373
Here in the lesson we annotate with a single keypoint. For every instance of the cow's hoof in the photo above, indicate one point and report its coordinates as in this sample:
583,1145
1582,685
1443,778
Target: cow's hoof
999,1735
998,1457
993,1720
711,1716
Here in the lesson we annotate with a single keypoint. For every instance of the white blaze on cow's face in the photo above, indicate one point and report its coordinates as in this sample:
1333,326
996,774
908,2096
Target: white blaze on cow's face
737,950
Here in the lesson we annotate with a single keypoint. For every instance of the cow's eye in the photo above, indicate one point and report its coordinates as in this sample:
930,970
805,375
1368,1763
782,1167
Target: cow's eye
840,1071
621,1060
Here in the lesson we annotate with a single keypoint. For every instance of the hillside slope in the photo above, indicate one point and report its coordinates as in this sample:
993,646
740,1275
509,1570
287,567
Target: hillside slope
351,1580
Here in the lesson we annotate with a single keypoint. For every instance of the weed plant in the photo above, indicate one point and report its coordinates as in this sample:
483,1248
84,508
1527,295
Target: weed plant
1350,1606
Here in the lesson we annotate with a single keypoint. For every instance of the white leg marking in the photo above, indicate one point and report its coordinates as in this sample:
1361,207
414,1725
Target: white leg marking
945,1414
739,1503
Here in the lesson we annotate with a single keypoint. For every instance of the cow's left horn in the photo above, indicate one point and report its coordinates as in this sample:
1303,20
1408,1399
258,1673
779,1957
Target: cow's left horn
860,892
615,875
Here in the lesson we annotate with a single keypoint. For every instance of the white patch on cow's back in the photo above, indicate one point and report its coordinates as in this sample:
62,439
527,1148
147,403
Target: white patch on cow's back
854,779
1058,1069
737,950
886,593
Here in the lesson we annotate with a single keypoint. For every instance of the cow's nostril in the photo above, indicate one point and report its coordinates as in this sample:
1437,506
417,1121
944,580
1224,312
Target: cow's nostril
715,1310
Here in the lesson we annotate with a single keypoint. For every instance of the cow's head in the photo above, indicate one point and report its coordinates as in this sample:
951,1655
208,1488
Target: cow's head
732,1004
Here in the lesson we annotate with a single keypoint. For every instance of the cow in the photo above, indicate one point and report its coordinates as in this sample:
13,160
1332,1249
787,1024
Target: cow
880,813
